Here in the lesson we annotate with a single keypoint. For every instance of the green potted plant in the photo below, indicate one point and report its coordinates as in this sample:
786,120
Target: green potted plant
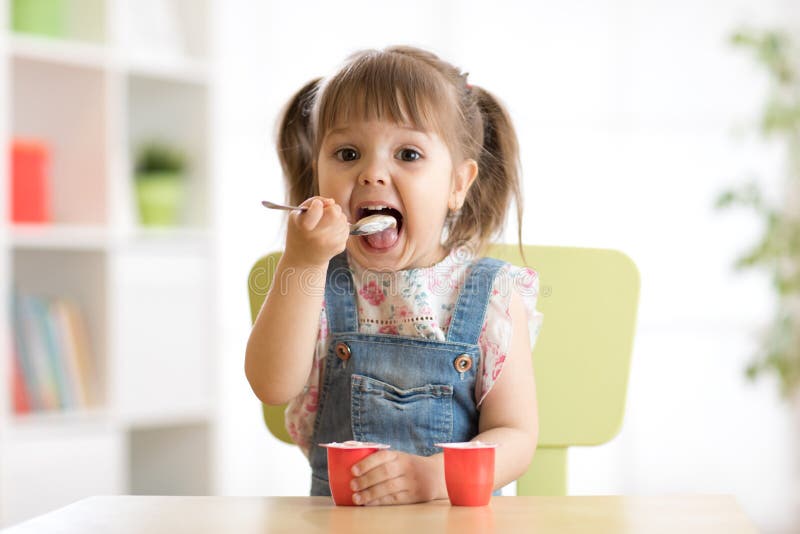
777,250
41,17
160,184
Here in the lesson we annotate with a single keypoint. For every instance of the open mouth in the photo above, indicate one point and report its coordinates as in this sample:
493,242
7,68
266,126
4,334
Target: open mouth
387,238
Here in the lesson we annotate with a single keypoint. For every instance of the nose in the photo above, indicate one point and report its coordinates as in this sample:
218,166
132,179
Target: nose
374,173
371,179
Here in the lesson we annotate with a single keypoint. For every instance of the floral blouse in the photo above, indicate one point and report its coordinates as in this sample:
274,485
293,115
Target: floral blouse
419,303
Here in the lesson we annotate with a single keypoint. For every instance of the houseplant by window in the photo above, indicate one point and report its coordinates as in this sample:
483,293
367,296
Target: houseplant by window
777,251
160,184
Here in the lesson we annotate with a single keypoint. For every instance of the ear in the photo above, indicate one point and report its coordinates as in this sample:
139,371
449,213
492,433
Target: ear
463,177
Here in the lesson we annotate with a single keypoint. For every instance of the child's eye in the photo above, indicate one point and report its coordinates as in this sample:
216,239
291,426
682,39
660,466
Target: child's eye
347,154
409,154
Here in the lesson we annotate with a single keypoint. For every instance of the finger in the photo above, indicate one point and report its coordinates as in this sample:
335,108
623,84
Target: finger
311,217
332,226
392,491
344,224
307,202
341,232
326,201
372,461
401,497
332,211
382,474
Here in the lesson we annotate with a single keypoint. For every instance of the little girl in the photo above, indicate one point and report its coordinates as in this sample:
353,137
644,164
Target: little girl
408,336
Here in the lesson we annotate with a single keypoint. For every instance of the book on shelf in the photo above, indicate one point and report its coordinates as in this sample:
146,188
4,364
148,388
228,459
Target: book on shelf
22,360
75,345
52,354
21,400
52,350
32,349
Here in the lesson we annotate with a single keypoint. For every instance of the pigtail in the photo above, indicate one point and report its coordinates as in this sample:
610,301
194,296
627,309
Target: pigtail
498,180
296,144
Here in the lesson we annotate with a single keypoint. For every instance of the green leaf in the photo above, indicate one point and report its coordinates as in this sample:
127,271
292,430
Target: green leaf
748,195
159,157
777,250
780,116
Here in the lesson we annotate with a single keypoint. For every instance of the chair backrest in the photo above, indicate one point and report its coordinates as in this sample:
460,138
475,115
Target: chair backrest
581,358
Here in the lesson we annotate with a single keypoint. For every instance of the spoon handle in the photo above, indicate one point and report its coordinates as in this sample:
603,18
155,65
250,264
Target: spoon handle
368,225
274,206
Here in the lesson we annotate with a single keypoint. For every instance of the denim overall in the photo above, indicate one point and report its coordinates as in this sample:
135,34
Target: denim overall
408,392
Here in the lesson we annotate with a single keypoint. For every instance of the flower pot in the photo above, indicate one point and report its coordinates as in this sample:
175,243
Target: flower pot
160,198
41,17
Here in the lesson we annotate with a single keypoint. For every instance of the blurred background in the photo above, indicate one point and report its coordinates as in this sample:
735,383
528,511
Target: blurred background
140,141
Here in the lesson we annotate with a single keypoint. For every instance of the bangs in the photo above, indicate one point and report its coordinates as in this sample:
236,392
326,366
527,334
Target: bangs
385,86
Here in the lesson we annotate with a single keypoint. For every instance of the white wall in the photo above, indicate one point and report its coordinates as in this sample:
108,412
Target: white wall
625,111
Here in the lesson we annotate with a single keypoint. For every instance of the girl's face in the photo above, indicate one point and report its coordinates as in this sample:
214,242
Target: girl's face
382,167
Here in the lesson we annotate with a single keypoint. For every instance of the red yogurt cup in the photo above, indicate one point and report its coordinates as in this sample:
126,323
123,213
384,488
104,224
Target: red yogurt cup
341,458
469,472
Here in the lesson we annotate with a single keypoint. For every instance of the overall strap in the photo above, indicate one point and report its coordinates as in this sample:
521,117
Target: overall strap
340,297
470,310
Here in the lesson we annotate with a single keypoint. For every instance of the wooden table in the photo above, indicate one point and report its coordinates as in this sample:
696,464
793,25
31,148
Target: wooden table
298,515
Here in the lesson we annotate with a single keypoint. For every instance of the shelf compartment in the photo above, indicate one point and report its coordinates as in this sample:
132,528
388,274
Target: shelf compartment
165,28
163,336
80,277
174,113
65,107
170,460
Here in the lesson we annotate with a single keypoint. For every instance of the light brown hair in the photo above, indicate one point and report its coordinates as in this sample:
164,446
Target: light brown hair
408,85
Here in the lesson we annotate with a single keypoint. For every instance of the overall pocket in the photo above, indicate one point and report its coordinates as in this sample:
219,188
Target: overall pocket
410,420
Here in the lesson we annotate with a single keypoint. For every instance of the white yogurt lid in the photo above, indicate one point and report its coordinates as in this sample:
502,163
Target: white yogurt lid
354,445
468,445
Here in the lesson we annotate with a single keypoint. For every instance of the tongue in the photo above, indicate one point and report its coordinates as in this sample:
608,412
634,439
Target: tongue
384,239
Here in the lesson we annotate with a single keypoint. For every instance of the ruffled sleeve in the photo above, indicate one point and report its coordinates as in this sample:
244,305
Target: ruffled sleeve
497,327
301,411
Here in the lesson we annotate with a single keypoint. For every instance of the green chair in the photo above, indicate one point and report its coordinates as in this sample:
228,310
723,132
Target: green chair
581,358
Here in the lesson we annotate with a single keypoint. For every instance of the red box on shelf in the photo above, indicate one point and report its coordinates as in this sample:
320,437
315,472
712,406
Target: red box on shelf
30,186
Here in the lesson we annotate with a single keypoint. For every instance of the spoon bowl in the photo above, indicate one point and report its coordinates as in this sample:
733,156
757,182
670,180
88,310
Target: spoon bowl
372,224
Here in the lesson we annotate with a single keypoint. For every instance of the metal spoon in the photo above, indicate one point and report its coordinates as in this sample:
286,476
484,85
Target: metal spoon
371,224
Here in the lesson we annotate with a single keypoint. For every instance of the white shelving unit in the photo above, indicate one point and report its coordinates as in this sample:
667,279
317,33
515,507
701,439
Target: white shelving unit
112,81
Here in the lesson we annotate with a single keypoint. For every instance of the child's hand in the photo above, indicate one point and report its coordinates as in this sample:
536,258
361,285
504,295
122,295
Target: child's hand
317,234
394,477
